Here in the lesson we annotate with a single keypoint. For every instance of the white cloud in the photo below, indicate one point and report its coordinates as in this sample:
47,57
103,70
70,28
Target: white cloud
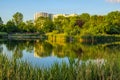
115,1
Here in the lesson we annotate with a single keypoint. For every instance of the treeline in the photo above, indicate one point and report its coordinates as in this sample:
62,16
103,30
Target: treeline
17,25
73,25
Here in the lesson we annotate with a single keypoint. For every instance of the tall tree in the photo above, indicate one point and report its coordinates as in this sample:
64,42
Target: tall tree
39,23
44,24
48,25
59,23
18,18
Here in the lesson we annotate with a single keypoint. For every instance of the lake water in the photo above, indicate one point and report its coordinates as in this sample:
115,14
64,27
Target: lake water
45,53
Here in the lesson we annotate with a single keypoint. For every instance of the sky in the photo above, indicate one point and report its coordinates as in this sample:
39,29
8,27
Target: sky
29,7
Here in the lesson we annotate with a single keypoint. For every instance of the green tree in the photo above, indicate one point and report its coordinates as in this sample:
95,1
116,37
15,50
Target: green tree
113,21
39,24
59,23
21,27
74,25
29,27
114,18
85,17
44,24
95,25
48,26
18,18
11,27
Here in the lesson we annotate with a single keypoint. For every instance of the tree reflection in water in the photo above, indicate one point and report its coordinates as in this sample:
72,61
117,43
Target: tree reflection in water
44,49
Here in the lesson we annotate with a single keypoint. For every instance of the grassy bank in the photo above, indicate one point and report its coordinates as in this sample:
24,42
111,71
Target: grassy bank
88,38
10,70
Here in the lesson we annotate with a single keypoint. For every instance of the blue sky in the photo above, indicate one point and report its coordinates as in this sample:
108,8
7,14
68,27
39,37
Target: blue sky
29,7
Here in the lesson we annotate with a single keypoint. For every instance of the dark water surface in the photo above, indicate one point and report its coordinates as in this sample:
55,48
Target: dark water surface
44,53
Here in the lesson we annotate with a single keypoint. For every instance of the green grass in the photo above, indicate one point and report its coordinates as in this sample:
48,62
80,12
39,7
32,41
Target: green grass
10,70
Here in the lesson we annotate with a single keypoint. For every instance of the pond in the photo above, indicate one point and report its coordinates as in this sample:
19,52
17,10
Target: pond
45,53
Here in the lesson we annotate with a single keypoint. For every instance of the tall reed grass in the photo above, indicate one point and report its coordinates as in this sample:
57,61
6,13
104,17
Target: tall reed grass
19,70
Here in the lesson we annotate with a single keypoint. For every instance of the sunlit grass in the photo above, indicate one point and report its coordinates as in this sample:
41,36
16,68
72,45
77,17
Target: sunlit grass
18,70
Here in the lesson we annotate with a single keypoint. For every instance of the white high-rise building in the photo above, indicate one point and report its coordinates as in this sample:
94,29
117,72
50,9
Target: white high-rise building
51,16
42,14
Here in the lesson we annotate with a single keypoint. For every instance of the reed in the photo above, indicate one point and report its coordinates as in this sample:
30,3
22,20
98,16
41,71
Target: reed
19,70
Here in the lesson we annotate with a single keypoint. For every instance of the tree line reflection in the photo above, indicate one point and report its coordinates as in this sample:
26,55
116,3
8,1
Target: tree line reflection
43,49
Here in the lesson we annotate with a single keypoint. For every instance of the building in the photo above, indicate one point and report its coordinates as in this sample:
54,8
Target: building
51,16
43,14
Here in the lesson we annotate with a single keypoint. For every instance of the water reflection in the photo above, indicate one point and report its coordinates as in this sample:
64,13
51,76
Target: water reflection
44,53
42,49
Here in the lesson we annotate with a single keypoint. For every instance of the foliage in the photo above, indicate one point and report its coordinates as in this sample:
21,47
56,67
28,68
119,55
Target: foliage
72,25
43,24
18,18
29,27
11,27
108,24
59,22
